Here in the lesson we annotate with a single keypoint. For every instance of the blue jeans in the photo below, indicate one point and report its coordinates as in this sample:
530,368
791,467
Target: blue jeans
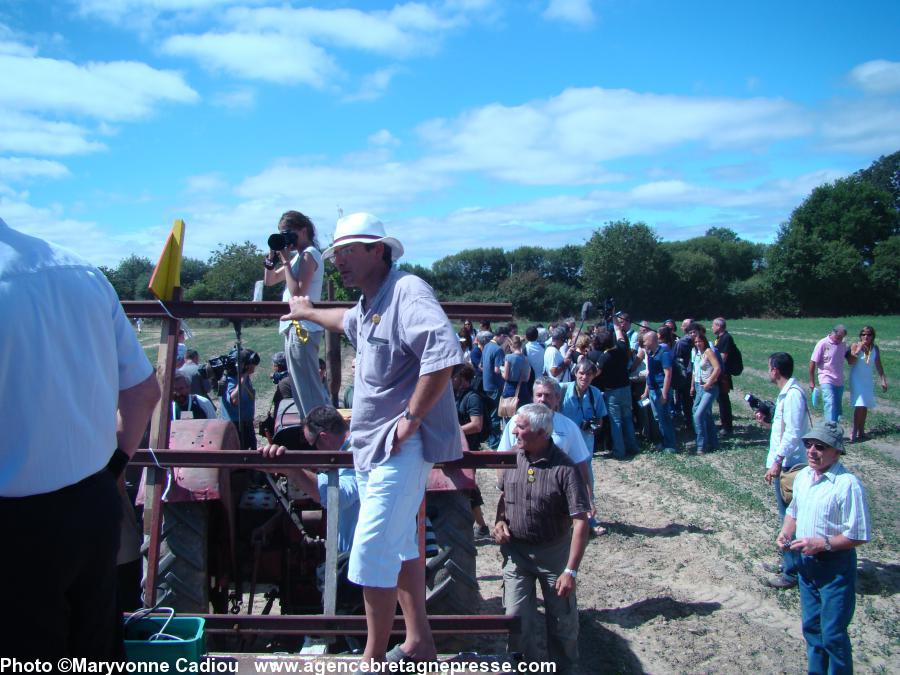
704,426
493,439
831,401
827,601
663,418
621,423
791,559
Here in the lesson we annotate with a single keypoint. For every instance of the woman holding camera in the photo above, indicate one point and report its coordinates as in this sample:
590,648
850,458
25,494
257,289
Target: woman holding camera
583,403
705,391
294,258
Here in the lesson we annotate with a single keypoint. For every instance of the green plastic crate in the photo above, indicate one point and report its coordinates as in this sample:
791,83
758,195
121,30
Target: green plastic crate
191,646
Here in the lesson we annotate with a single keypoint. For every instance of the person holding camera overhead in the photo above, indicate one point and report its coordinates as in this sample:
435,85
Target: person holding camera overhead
239,402
295,259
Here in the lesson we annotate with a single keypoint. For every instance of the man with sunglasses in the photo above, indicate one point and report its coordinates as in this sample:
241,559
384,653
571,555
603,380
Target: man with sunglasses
825,522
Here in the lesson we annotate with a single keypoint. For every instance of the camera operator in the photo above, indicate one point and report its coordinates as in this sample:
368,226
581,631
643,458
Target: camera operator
247,406
583,403
789,423
294,258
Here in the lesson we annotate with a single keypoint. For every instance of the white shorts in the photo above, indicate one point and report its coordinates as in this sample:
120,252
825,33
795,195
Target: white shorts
389,498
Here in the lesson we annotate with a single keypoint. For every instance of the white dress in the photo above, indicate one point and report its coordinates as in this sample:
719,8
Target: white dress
862,383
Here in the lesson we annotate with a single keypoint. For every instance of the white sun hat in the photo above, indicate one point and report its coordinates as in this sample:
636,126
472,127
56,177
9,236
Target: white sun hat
362,228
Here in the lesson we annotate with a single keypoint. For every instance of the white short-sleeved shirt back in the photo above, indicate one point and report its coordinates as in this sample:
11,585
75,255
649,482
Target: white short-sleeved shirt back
60,316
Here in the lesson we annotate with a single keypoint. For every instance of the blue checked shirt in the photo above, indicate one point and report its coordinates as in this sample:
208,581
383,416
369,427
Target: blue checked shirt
835,504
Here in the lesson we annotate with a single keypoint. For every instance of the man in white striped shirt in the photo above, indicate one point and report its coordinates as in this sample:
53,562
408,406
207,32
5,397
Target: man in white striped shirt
826,520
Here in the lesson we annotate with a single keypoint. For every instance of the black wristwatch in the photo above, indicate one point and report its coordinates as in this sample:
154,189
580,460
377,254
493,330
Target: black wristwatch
268,263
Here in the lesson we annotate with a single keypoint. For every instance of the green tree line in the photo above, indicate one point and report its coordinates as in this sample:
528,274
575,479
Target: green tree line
838,253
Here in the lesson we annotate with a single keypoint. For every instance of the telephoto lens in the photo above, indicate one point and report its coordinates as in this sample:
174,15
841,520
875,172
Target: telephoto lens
277,242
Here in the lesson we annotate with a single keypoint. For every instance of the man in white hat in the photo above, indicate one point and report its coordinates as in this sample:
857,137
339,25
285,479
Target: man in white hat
404,421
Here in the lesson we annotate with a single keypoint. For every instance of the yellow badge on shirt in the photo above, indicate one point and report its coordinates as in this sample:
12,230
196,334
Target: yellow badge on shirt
531,477
376,319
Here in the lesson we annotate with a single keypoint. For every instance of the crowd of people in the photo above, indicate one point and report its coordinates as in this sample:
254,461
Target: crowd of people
556,396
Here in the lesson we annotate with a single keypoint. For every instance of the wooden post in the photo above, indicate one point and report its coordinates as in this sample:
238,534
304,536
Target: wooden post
159,439
333,357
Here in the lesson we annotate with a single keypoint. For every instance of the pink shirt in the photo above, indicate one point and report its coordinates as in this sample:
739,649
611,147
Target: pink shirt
829,359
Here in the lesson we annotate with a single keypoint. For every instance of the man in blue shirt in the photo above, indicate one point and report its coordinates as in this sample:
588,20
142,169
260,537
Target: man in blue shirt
492,359
325,429
659,387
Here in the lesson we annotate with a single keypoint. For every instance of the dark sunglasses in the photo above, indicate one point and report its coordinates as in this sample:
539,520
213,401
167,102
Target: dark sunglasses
821,447
865,334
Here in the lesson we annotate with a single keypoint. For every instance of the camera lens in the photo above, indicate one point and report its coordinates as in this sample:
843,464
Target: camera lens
277,241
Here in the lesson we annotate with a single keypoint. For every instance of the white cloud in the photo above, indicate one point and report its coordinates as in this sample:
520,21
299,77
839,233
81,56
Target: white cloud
23,133
108,91
868,128
563,140
240,98
578,13
19,168
206,183
374,85
383,137
271,57
877,77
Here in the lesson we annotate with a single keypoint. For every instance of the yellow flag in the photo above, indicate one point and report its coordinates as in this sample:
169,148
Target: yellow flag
167,274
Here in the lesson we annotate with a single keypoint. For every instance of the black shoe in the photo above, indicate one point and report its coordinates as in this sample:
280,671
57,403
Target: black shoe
781,581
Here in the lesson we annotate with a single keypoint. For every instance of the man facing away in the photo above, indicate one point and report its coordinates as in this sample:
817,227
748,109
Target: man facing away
542,529
725,344
825,522
404,421
66,447
828,358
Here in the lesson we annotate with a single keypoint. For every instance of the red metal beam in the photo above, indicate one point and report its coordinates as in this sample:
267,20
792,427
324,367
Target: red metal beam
311,459
220,309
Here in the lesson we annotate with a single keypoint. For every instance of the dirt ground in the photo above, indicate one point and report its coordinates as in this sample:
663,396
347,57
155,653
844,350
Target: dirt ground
672,587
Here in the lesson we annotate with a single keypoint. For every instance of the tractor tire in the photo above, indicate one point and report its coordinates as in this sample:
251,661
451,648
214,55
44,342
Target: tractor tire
451,580
182,581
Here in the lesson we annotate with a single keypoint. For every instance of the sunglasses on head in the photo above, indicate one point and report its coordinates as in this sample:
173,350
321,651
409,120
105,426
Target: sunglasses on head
821,447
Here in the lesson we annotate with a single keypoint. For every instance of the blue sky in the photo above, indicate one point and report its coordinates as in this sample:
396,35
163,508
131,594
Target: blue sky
460,123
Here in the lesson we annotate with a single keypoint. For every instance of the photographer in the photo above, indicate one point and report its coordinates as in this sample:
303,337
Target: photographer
231,408
294,258
786,452
611,357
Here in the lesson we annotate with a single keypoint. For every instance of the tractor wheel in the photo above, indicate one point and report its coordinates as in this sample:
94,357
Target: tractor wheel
182,580
452,584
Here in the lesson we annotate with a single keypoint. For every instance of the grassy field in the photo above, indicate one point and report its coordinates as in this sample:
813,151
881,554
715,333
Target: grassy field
717,518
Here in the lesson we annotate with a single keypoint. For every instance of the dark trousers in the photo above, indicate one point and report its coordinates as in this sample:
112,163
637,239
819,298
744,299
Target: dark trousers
493,418
725,387
684,403
59,572
827,602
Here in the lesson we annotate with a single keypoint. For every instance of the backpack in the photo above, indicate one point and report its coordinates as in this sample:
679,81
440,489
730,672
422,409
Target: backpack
735,360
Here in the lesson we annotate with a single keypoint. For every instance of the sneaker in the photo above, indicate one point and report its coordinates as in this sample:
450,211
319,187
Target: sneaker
781,581
481,531
771,568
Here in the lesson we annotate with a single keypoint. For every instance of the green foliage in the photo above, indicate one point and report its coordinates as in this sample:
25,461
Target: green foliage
626,261
884,174
131,277
475,268
823,261
233,271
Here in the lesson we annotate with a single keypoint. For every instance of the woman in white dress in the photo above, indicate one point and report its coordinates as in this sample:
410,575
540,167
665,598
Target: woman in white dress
864,357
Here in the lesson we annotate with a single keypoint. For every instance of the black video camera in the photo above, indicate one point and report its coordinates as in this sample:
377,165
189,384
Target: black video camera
609,308
281,240
766,408
227,363
592,424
